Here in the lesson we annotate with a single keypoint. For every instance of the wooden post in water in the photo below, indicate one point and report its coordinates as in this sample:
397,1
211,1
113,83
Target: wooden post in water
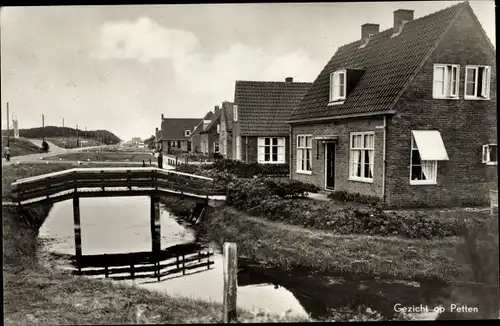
155,233
78,233
230,281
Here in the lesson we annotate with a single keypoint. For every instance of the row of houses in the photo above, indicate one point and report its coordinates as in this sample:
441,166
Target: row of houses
407,114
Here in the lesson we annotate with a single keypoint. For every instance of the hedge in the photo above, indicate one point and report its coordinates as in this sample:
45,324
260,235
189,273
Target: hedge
249,170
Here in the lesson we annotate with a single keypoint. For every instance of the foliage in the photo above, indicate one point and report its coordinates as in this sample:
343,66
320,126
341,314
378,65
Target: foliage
345,196
249,170
264,197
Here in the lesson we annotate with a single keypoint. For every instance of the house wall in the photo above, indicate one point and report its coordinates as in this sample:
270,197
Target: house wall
342,129
226,137
183,147
196,142
249,148
204,138
465,126
235,133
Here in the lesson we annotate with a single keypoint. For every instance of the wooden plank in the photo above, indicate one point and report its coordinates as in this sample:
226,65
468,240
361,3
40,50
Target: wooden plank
78,235
230,282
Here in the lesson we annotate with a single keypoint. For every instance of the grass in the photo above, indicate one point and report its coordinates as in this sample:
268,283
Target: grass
20,146
36,294
104,156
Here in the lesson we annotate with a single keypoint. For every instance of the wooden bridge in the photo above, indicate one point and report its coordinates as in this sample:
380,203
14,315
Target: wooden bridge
117,182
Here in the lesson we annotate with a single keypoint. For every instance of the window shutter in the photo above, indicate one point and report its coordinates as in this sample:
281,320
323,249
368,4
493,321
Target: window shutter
485,89
261,142
281,142
485,153
235,112
260,154
281,153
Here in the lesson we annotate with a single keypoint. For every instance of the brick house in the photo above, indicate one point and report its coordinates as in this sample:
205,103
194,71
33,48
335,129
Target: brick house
261,108
196,134
210,142
226,130
407,115
176,134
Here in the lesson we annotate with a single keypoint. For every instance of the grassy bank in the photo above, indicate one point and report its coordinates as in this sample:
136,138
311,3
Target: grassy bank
103,156
20,146
36,294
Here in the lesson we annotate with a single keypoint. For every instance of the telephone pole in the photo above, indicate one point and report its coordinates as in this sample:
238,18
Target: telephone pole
77,136
43,127
8,128
64,138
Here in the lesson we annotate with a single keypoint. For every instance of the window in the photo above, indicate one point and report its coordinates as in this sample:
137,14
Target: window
490,154
477,82
304,153
446,79
337,85
362,155
218,128
238,147
422,172
235,112
271,150
216,147
187,133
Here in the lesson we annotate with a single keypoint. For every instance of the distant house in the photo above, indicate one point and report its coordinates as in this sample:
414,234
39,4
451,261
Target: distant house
259,129
226,130
136,140
196,136
407,115
210,142
176,134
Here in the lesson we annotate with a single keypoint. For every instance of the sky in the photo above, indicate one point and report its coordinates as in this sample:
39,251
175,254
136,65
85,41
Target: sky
120,67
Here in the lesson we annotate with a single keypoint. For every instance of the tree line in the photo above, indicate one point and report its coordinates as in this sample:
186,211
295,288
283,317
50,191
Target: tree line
53,131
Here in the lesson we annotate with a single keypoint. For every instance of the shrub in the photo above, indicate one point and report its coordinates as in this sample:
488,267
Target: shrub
45,146
249,170
345,196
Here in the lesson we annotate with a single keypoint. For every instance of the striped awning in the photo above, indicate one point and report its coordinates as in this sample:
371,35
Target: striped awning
430,145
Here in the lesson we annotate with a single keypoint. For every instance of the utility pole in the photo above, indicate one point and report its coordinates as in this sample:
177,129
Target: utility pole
64,138
43,127
8,128
77,136
86,135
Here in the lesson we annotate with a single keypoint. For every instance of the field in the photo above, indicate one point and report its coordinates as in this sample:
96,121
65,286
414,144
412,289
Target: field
37,294
20,146
108,155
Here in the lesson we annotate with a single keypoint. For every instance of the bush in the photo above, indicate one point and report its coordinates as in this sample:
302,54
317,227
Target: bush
249,170
345,196
45,146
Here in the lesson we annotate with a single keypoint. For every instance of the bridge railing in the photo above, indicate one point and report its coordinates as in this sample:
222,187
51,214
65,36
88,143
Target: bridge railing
151,178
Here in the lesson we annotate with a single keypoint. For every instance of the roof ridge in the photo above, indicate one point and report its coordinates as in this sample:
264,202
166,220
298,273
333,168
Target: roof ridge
408,23
271,81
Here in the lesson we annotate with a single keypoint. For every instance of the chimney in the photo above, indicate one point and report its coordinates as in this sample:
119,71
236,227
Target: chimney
162,116
216,108
400,16
289,79
368,29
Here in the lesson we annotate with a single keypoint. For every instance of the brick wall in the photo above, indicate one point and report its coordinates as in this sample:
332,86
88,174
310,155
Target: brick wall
465,125
342,129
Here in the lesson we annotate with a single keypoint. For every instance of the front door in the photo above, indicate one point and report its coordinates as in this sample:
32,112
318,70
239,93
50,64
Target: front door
330,166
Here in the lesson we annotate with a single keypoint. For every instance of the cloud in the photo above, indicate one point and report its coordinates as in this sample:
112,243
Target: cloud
144,40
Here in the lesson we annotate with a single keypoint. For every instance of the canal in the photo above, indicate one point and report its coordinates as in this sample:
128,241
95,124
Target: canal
122,225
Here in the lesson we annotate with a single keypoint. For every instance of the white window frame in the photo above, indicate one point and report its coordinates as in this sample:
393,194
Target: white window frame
235,113
216,147
300,154
447,81
187,133
486,155
238,148
261,145
486,83
218,128
432,164
362,150
334,94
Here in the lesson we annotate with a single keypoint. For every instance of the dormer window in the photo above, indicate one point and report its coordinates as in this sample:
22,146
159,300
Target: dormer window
446,78
338,86
187,133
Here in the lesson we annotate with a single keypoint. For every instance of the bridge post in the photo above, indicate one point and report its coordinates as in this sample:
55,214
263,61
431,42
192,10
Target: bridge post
78,234
155,232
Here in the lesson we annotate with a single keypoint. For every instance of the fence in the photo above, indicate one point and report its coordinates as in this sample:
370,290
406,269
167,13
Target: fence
493,201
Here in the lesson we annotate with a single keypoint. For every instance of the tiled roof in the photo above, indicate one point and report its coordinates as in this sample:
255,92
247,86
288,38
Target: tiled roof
214,122
227,108
263,107
173,129
389,64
